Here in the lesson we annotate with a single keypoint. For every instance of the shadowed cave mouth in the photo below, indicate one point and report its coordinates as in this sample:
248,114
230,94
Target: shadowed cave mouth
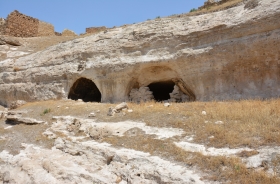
161,90
86,90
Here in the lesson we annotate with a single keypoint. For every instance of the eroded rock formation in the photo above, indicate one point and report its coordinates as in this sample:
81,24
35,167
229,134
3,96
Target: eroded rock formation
231,54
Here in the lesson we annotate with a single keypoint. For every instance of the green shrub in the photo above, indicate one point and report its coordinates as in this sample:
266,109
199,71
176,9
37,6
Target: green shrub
193,10
46,111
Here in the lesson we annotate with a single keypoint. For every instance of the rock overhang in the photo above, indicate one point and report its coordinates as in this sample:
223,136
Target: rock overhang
215,54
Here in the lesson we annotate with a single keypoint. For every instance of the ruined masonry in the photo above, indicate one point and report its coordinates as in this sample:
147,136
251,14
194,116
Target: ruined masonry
2,25
20,25
94,30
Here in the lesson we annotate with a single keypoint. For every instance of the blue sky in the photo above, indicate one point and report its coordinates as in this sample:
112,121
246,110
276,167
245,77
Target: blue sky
77,15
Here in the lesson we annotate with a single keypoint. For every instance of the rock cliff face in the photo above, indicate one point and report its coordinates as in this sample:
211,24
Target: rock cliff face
231,54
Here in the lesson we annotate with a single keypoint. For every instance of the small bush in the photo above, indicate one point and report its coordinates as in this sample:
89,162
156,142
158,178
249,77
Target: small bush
46,111
158,17
193,10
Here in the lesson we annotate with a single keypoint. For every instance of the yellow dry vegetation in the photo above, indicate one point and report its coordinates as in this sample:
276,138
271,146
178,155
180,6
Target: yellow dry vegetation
234,124
215,8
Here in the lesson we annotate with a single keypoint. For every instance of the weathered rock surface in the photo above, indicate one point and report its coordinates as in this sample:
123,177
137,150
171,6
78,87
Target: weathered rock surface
17,103
231,54
10,41
74,159
25,120
90,162
117,109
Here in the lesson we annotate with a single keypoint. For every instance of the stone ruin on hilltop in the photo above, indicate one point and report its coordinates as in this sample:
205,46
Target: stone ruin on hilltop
20,25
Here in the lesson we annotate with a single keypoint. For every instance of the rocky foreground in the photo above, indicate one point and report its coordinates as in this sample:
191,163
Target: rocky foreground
78,142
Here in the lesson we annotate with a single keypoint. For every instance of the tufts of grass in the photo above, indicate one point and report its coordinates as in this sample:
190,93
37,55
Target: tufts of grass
231,170
218,168
46,111
221,6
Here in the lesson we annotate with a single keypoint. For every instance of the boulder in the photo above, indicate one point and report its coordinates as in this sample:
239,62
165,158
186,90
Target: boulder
91,115
17,103
121,106
10,41
24,120
111,111
117,109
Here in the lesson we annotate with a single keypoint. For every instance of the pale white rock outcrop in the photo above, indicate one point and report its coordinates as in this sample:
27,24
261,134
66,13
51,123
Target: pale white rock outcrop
230,54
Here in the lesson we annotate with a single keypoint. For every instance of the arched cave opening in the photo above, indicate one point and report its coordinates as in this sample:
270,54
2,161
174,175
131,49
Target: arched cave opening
86,90
162,89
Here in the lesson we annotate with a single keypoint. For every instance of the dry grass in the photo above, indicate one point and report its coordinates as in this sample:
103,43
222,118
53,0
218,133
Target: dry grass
41,43
210,9
215,8
250,123
218,168
246,153
20,133
231,170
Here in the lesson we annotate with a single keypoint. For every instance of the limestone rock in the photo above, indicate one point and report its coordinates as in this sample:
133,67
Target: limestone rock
99,133
6,177
91,115
166,104
16,112
111,111
10,41
24,120
2,42
226,55
117,109
121,106
17,103
3,114
251,4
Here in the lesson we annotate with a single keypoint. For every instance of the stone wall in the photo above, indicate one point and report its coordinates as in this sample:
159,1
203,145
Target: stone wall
67,32
94,30
57,34
45,29
2,26
21,25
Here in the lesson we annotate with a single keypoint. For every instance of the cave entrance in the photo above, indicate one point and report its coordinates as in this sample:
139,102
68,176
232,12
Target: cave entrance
86,90
162,89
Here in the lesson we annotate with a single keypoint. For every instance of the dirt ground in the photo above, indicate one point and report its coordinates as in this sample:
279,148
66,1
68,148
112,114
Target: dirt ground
252,124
